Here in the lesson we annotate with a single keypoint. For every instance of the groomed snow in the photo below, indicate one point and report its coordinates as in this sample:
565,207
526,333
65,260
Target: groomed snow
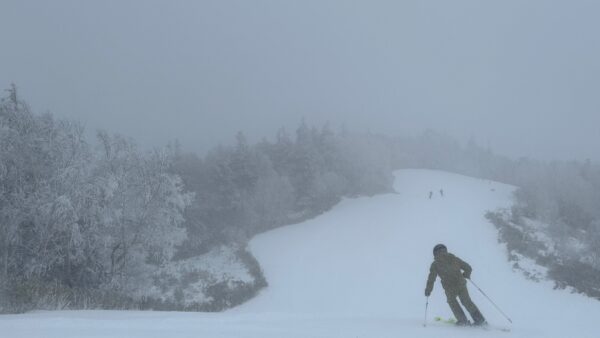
359,271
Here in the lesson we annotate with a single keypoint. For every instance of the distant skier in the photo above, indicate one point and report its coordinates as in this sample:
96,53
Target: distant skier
442,192
430,194
449,267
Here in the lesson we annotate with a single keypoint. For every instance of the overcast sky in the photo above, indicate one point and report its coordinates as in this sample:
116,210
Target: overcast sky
521,75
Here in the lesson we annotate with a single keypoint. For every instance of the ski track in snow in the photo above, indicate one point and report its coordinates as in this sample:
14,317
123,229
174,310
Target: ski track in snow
359,271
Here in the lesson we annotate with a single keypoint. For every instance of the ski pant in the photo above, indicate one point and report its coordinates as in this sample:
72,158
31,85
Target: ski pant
463,294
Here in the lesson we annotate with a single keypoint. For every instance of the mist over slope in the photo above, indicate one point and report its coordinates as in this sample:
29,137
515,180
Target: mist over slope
370,256
359,271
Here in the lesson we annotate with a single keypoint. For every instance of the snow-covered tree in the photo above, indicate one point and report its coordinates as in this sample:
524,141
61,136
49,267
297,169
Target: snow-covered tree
140,207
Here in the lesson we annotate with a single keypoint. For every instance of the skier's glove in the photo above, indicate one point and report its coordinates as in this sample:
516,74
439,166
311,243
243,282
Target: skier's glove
467,275
427,293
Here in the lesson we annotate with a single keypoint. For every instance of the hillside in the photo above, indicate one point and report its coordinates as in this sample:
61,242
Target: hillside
359,271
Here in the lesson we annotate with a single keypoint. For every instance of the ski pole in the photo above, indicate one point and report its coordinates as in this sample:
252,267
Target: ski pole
491,301
426,306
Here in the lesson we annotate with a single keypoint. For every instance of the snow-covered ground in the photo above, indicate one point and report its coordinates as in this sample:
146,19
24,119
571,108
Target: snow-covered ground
219,265
359,271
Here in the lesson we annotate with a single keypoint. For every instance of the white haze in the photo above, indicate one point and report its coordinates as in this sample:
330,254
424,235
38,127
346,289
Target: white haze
521,76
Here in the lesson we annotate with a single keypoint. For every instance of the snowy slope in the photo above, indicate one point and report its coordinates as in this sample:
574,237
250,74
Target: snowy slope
359,271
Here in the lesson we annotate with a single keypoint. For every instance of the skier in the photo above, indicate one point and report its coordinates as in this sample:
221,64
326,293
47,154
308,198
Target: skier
442,192
449,267
430,194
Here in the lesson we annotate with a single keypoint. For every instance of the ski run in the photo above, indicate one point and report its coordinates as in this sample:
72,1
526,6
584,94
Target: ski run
359,270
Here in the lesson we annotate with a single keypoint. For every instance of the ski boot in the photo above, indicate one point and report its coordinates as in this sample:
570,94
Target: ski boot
478,319
463,322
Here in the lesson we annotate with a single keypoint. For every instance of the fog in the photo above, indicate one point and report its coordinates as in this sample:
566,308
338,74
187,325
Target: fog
522,77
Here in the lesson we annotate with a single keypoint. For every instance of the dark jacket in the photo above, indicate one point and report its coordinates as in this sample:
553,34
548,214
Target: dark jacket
448,267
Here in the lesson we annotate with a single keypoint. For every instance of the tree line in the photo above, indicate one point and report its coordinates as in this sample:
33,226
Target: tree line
81,215
105,215
242,190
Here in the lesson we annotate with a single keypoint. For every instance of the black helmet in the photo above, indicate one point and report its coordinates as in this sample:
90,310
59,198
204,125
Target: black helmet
439,248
